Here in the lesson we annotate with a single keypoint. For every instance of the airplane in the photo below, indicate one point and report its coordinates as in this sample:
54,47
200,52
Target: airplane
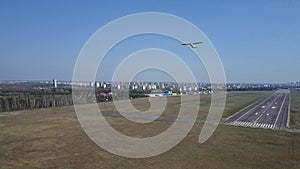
192,44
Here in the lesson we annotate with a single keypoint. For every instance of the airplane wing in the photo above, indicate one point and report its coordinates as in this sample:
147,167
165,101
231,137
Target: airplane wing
196,43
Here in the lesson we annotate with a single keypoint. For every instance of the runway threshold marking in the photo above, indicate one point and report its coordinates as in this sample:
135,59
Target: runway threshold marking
252,125
280,110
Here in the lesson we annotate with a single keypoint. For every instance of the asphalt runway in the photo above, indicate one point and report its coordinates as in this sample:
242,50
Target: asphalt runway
268,113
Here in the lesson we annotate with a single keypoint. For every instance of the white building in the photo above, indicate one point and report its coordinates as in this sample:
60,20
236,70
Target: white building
54,83
92,84
97,84
153,87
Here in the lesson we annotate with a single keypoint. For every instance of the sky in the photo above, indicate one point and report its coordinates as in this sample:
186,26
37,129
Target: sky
257,40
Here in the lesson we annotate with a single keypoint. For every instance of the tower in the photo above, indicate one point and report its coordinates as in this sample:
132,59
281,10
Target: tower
54,83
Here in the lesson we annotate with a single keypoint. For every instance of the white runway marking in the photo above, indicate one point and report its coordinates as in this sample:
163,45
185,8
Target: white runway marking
266,109
262,101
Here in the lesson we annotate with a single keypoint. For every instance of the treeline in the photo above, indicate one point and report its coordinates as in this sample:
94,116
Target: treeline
33,99
21,102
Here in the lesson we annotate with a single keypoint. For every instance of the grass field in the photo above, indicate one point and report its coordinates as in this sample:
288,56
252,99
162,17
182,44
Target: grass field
235,101
295,109
53,138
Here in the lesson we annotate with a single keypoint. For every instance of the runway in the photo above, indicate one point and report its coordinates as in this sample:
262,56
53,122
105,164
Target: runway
268,113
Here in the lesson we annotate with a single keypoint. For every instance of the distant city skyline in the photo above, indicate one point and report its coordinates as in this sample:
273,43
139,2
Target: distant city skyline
257,40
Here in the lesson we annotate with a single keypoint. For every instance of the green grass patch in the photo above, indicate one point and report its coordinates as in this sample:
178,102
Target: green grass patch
295,109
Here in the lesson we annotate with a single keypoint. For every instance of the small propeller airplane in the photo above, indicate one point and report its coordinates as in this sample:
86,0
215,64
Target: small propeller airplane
192,44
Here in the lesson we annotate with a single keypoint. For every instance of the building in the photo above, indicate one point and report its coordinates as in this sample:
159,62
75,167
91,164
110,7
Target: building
54,83
97,84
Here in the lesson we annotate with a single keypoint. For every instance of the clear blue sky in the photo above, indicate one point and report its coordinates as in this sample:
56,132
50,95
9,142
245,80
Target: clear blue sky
258,40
